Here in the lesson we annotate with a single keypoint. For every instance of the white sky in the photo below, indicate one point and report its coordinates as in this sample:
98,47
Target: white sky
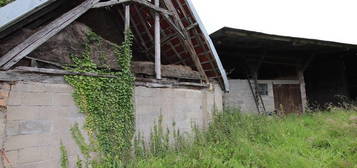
333,20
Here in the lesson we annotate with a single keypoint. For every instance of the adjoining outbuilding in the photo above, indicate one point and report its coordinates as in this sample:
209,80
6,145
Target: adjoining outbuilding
279,74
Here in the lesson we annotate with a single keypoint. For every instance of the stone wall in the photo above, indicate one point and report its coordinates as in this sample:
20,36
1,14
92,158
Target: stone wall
182,107
241,97
37,118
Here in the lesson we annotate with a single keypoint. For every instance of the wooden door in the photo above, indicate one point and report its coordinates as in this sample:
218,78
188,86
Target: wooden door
287,99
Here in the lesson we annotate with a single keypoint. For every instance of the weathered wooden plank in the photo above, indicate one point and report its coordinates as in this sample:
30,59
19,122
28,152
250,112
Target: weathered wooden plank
110,3
142,2
58,72
40,37
164,83
45,61
152,6
10,76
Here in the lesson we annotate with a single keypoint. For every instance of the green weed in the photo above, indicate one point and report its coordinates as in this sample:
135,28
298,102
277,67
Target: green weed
315,140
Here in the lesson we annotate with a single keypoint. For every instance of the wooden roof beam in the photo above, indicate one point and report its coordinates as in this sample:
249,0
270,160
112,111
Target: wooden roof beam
187,42
141,2
110,3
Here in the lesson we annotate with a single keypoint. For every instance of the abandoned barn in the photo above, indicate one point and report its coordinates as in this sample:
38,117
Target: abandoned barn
271,73
179,76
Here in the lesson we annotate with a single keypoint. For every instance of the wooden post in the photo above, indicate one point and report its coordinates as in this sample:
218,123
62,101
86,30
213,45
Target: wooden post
302,89
157,43
127,18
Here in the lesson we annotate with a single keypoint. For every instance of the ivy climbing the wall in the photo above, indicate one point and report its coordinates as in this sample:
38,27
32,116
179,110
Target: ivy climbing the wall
64,156
107,102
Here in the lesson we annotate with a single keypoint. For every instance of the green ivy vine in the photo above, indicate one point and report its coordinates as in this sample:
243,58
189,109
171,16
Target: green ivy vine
64,156
107,102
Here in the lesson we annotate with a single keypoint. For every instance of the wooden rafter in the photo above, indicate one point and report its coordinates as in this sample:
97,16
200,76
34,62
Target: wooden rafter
142,2
192,26
40,37
110,3
308,62
187,42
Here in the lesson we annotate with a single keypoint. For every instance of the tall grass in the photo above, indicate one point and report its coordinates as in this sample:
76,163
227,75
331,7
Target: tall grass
233,140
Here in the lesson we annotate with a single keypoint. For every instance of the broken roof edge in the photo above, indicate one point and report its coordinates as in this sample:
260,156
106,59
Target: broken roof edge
211,46
276,37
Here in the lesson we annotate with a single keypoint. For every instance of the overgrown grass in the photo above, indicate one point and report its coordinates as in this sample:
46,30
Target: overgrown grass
317,140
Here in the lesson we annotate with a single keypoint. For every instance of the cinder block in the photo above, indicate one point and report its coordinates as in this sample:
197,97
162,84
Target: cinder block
42,164
2,130
30,155
21,141
29,87
61,88
5,86
34,127
37,99
13,157
4,94
145,92
15,98
63,99
12,128
23,113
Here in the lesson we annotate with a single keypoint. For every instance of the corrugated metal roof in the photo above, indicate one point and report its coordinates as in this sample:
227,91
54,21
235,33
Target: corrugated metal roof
16,11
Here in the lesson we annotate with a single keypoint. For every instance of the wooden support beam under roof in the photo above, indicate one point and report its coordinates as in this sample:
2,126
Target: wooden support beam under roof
142,2
58,72
307,63
110,3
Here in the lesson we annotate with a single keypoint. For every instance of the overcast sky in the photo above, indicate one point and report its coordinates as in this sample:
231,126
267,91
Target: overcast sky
333,20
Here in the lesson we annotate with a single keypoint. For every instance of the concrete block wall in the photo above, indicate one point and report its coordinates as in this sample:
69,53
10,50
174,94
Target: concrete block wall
182,107
4,94
241,97
37,117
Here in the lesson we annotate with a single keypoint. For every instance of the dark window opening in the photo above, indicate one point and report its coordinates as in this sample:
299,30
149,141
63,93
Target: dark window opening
263,89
